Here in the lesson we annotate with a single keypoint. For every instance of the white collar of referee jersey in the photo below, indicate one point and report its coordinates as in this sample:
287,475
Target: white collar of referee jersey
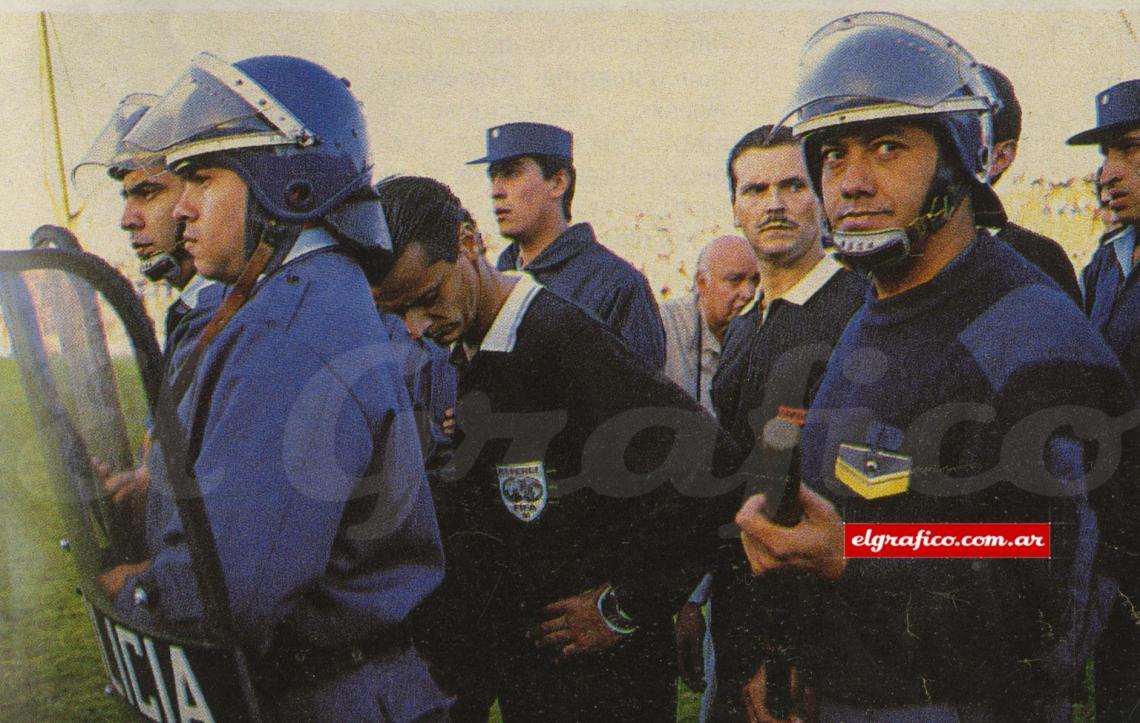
505,329
807,287
813,281
194,287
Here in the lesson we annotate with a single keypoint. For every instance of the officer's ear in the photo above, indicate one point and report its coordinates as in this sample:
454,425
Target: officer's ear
1004,154
559,183
470,241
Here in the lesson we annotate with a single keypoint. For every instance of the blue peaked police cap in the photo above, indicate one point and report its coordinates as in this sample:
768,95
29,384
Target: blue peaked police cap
1117,109
526,139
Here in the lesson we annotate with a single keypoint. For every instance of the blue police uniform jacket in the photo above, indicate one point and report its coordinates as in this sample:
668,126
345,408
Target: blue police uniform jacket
179,343
1112,299
578,268
940,377
431,383
300,435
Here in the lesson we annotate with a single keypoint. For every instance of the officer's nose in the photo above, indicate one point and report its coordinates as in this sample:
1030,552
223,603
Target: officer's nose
131,218
498,189
417,322
1113,169
856,178
774,201
185,209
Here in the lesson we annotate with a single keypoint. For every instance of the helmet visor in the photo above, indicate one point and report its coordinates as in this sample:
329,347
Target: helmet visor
215,107
108,150
881,65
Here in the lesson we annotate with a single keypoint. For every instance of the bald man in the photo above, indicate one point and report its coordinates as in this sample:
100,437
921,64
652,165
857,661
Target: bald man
695,324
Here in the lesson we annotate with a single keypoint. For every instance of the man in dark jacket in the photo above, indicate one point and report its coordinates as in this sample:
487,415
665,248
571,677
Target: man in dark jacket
1112,301
532,174
776,355
1042,251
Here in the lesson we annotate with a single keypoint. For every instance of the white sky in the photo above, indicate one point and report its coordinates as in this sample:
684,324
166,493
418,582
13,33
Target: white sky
655,94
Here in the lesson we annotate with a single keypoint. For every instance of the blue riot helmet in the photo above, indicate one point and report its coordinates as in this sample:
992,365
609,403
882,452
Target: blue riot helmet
294,133
870,67
110,152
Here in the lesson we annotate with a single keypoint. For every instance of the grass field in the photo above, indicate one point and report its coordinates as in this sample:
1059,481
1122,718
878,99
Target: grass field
50,668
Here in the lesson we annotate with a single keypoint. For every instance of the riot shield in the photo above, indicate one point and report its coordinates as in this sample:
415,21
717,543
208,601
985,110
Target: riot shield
91,372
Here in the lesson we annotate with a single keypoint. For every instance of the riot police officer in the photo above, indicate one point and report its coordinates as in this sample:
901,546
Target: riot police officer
149,193
948,399
297,426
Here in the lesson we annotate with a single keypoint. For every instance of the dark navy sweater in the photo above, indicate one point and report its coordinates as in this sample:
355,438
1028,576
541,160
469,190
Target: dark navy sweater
942,374
1044,253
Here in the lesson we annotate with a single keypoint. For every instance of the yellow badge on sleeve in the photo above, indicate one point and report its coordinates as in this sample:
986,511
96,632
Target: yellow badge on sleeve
872,473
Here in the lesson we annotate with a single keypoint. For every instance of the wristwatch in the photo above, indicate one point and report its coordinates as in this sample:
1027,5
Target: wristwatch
612,615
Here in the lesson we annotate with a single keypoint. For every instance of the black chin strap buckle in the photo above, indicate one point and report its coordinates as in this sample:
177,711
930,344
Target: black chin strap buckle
941,208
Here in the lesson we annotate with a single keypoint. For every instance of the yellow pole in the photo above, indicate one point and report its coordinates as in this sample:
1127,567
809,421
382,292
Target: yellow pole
1127,25
69,216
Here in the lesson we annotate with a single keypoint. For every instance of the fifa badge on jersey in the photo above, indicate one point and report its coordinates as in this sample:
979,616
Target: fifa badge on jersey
872,473
523,489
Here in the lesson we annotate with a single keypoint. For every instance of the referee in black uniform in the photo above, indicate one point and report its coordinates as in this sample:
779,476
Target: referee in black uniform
575,504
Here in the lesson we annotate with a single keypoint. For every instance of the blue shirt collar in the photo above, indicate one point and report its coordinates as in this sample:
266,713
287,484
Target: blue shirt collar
575,240
193,289
1123,246
311,239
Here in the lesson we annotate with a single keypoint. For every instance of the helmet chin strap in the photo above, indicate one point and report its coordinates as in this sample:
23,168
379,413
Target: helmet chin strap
254,267
239,294
866,251
167,265
267,242
164,266
261,228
